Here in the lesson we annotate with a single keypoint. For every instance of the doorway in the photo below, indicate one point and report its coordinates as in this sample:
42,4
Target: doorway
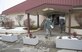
56,18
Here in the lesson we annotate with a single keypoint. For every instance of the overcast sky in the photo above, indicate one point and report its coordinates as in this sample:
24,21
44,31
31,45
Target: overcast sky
5,4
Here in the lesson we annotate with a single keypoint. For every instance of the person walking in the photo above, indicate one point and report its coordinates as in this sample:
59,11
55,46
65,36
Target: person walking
62,25
48,26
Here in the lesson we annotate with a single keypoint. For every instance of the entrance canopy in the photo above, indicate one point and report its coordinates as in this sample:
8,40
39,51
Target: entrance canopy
41,9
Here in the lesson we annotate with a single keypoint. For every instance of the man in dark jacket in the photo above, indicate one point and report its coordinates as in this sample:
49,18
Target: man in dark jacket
62,24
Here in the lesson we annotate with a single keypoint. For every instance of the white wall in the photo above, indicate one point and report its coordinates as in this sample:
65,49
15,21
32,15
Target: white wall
73,21
32,17
41,18
67,23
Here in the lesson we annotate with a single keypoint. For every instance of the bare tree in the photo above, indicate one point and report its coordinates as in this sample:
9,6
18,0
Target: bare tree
19,18
8,23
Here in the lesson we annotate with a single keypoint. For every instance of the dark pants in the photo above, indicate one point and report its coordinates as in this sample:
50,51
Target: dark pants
62,28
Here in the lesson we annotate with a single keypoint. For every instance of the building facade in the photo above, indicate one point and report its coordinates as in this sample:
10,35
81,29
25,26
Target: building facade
38,10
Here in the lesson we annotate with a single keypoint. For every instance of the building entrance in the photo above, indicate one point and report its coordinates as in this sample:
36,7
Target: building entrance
57,19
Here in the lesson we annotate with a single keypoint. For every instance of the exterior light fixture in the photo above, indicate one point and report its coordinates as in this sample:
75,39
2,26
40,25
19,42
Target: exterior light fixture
45,9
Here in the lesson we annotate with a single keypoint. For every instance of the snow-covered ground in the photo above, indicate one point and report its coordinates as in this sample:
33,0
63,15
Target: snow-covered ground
17,30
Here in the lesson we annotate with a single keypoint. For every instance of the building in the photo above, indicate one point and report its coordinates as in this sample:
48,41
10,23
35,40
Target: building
38,10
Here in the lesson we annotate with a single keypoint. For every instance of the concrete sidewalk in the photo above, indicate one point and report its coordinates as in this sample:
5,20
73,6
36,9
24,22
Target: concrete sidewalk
45,45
